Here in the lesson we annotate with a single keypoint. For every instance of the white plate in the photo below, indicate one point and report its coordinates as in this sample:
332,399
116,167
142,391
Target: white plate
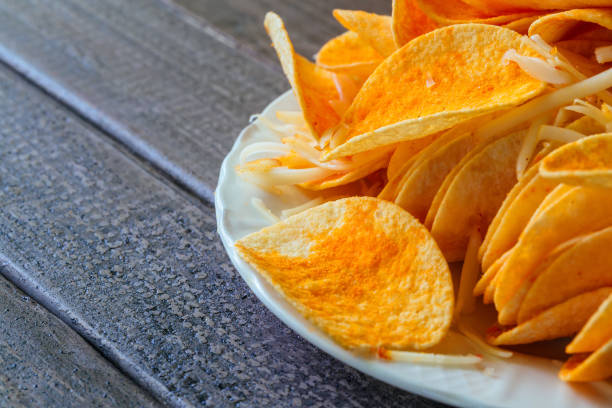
521,381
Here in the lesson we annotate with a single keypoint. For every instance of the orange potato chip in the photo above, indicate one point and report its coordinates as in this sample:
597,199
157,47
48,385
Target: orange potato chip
372,28
509,313
522,24
585,162
516,217
589,367
490,291
490,274
349,54
363,270
475,195
553,27
497,6
419,188
559,321
448,180
508,201
409,21
437,81
405,151
596,333
313,86
583,267
447,12
586,48
549,228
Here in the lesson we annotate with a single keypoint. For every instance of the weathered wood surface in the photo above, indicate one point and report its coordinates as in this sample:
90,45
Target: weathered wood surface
310,23
134,265
167,89
43,363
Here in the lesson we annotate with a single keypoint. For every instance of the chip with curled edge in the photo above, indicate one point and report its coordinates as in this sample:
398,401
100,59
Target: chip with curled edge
434,82
362,269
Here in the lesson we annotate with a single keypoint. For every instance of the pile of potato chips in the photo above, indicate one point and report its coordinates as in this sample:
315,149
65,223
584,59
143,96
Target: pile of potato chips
455,130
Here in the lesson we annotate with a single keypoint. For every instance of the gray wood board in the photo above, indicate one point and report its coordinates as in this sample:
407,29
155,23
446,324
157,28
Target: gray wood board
135,266
169,90
44,363
309,23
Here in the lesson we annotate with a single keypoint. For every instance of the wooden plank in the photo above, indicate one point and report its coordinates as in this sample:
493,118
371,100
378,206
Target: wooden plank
310,23
170,91
135,266
44,363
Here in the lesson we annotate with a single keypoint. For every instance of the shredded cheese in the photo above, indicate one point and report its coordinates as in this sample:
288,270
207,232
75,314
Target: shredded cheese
432,358
477,341
261,150
558,134
538,68
528,146
603,54
545,103
264,210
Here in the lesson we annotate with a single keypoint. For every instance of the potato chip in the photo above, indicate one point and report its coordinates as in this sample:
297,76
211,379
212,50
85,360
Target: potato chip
405,151
583,267
409,21
589,367
553,27
516,216
585,162
313,86
418,190
549,228
372,28
490,291
489,274
475,195
447,12
508,201
349,54
509,313
596,333
437,81
586,48
521,25
559,321
362,269
498,6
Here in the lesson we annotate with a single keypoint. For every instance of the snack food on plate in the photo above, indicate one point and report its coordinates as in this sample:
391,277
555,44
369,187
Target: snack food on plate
438,134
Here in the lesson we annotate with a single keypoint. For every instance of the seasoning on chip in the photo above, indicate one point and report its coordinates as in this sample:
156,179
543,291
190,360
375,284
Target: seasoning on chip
559,321
372,28
447,12
409,21
553,27
362,269
586,162
349,54
550,228
437,81
596,333
583,267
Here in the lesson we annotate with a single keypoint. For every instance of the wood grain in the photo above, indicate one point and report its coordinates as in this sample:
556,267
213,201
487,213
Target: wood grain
310,23
134,265
168,90
43,363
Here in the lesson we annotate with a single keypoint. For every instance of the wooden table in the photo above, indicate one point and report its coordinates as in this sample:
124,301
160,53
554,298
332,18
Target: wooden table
115,290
